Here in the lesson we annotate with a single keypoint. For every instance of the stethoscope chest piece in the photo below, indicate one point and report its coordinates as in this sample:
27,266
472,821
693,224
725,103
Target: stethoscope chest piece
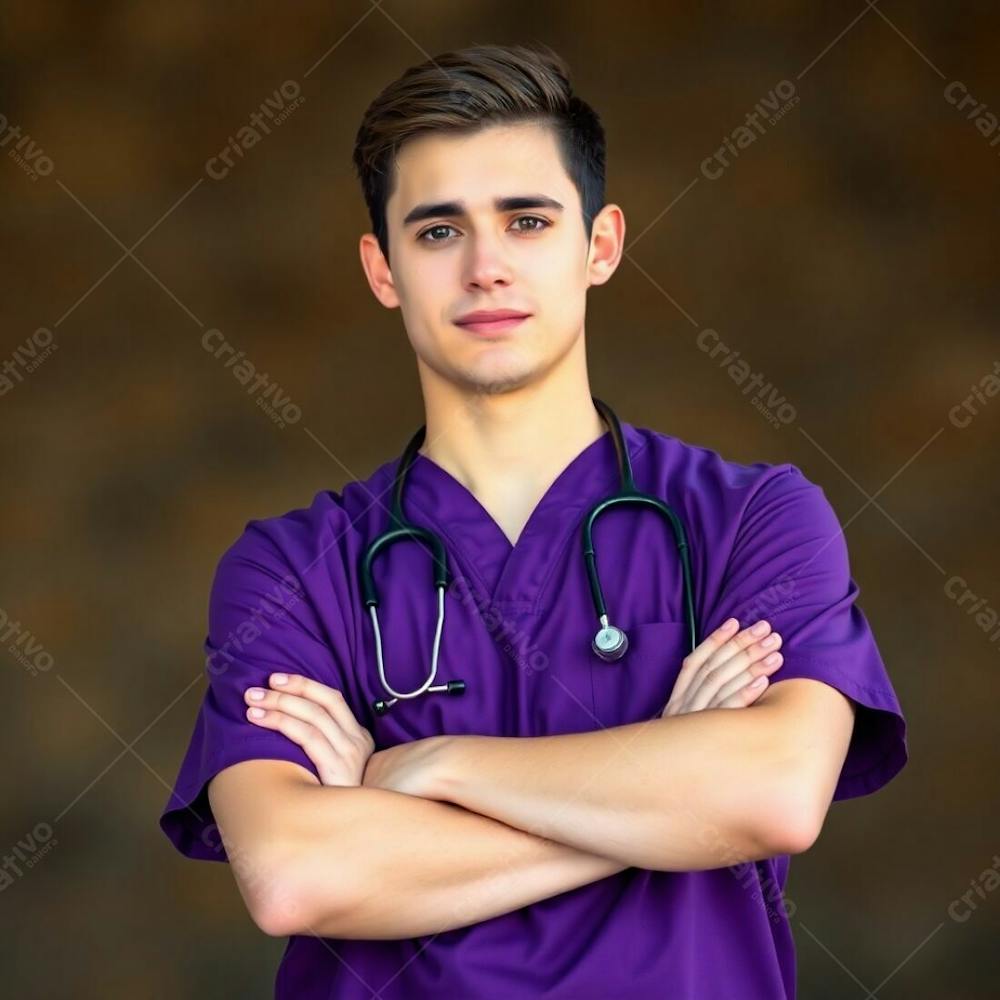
610,643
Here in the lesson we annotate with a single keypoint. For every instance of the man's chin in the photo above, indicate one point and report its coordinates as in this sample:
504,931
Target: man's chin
497,382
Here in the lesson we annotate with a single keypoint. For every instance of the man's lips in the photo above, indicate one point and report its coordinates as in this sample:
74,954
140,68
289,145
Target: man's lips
492,322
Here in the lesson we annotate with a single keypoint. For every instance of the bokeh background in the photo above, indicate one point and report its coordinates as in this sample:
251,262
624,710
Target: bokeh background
849,254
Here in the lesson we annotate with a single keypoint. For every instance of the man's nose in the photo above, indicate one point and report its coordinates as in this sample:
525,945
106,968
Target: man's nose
486,264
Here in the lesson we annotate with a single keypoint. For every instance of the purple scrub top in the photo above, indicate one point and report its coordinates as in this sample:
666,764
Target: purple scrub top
765,543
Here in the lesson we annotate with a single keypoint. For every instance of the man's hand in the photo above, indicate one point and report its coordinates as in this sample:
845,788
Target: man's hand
317,718
727,670
408,767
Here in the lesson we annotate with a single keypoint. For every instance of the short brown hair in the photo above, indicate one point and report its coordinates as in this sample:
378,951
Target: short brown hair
469,89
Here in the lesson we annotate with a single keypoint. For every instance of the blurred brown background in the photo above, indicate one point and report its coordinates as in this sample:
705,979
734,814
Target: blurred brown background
849,254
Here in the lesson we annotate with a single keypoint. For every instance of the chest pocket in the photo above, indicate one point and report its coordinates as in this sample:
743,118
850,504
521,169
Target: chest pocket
637,687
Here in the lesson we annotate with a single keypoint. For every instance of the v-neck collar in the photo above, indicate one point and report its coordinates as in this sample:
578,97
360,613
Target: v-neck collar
514,576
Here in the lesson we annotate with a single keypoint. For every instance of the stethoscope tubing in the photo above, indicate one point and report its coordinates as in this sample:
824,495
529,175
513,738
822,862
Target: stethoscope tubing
610,643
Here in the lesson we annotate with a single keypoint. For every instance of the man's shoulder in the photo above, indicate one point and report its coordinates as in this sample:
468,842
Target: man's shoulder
326,521
702,468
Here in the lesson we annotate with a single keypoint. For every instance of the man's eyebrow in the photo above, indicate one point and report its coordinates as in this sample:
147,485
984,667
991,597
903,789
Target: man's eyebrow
512,203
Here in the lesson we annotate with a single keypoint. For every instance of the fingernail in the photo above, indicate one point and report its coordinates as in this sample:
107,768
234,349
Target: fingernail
759,682
771,640
771,660
279,678
256,713
728,624
255,694
759,629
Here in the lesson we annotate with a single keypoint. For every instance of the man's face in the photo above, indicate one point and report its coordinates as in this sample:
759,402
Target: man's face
476,255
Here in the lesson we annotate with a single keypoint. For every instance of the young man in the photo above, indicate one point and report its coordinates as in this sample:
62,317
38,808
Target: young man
571,824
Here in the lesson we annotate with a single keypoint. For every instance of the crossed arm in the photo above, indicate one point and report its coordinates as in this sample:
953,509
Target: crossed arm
452,830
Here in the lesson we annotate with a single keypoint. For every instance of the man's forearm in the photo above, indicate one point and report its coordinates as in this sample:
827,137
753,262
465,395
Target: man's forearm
374,864
682,793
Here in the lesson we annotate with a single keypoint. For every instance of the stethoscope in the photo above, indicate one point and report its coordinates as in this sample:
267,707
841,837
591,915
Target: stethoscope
609,644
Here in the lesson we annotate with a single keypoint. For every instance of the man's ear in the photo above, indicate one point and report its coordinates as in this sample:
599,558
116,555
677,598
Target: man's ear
607,241
376,269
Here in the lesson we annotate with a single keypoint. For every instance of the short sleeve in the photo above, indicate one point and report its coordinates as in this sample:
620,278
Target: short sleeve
261,619
789,565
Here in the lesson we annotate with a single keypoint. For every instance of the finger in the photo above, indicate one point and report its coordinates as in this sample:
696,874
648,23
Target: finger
746,695
712,652
765,666
713,679
312,740
737,643
331,699
303,710
694,659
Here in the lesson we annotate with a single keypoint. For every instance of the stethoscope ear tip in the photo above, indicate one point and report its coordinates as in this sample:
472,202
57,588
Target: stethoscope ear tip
382,705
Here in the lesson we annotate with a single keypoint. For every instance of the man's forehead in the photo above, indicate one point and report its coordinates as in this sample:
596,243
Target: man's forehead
478,168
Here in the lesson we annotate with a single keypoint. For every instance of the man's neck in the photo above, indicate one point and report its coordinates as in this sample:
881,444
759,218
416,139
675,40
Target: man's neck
509,448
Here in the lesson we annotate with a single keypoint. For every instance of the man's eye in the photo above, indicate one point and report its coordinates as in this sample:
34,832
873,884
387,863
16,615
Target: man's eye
539,225
532,218
433,229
